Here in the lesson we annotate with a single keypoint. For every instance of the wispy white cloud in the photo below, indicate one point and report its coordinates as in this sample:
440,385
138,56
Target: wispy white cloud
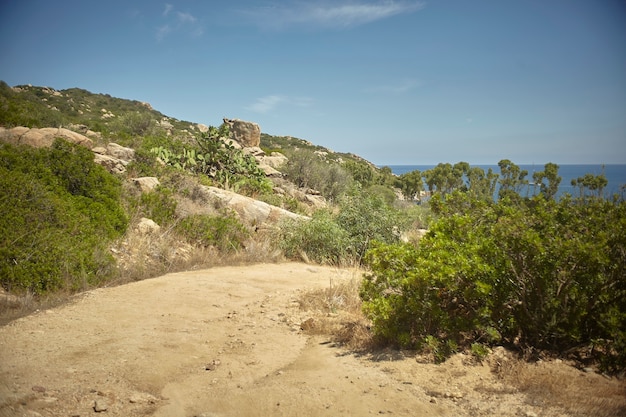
186,18
401,87
168,9
328,14
162,32
269,103
178,22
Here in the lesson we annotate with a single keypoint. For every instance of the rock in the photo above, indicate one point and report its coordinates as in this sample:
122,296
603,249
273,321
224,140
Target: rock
113,165
308,324
114,157
202,128
142,398
270,171
211,366
120,152
248,134
254,151
99,150
275,160
146,184
147,226
42,138
251,212
100,405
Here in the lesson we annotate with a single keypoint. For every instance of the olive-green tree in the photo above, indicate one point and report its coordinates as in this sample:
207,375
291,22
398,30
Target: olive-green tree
550,174
512,179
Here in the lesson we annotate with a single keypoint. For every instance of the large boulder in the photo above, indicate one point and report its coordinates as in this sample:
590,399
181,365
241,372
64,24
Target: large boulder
250,211
42,138
248,134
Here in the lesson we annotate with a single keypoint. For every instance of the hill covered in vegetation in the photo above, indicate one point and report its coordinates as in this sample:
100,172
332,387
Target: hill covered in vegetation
475,265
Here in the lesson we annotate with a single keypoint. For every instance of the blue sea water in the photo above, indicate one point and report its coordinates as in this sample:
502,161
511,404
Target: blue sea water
614,173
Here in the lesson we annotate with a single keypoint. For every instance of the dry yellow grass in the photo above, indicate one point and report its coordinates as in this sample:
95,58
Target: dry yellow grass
554,383
337,312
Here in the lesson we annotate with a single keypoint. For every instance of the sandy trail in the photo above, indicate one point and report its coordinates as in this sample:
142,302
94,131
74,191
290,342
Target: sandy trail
144,349
223,342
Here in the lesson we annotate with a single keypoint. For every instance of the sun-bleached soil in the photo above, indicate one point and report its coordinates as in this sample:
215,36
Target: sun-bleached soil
227,341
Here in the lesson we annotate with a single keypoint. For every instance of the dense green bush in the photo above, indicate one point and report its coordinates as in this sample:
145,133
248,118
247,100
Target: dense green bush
158,205
59,211
531,273
342,237
367,218
306,169
320,239
224,232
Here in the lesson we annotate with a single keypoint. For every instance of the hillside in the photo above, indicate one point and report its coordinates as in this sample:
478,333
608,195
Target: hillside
113,118
179,191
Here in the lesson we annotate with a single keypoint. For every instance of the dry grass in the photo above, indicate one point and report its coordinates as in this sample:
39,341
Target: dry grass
336,311
143,256
553,383
13,307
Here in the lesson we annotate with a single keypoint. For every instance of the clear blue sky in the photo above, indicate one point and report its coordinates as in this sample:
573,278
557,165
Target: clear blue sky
397,82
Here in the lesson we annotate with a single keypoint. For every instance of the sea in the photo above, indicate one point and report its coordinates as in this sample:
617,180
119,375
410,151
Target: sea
614,173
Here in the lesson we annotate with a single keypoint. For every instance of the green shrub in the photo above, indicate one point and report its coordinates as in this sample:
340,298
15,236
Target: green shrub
526,273
59,211
307,170
320,239
368,218
159,205
224,232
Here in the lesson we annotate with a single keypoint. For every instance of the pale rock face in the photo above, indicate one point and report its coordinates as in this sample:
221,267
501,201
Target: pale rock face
250,211
111,164
248,134
120,152
114,158
147,226
42,138
146,184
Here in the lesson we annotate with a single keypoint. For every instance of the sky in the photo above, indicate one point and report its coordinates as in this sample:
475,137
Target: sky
393,81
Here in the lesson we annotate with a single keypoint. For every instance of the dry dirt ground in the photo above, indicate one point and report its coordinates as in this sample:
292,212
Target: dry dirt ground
227,341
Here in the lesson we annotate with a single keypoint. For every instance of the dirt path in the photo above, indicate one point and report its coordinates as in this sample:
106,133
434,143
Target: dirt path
221,342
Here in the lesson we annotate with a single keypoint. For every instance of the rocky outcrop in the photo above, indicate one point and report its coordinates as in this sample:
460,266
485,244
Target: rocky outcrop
146,184
267,163
275,160
114,157
42,138
248,134
250,211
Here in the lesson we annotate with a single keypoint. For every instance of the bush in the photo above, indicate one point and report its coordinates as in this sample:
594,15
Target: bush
158,205
533,274
368,218
307,170
224,232
59,211
320,239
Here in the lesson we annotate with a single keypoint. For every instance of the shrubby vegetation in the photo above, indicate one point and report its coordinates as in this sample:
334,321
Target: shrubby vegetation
534,273
342,236
59,212
504,261
227,166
